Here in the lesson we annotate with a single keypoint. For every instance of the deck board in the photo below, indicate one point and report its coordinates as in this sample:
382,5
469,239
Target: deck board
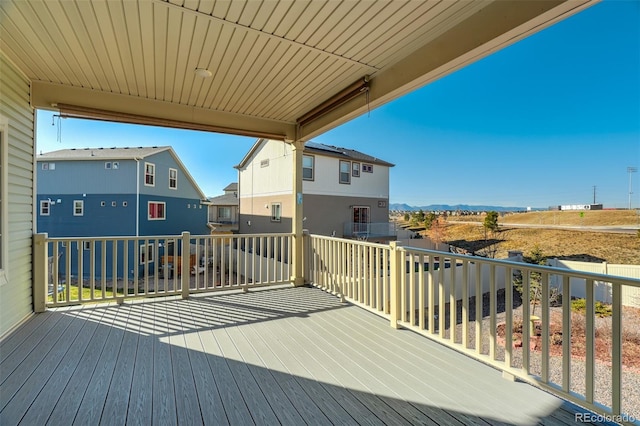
276,356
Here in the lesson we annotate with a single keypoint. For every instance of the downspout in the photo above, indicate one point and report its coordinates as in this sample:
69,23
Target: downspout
137,160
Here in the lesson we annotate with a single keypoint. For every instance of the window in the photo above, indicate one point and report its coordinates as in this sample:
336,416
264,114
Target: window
124,204
86,245
107,165
113,204
367,168
149,174
156,210
173,179
45,207
102,203
345,172
307,167
355,169
224,213
146,253
360,221
116,165
276,211
78,207
264,163
48,166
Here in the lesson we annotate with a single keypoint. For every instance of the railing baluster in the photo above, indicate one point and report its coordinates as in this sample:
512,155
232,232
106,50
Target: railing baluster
616,349
527,323
508,310
566,334
421,293
544,305
590,344
431,295
453,306
412,288
465,303
479,307
492,311
441,297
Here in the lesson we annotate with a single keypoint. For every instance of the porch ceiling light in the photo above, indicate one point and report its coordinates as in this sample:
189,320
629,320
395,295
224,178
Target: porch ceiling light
203,72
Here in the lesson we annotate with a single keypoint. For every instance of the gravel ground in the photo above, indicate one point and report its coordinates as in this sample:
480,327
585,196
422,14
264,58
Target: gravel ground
602,379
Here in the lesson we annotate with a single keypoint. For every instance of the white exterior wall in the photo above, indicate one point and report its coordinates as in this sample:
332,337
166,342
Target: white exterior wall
16,274
274,179
326,180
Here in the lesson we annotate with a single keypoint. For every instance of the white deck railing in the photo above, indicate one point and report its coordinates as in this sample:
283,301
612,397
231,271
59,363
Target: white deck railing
88,270
429,291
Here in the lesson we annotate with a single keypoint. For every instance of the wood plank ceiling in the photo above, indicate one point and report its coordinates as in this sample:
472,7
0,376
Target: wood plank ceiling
271,62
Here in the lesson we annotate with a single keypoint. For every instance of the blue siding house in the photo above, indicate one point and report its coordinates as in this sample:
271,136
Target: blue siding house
117,192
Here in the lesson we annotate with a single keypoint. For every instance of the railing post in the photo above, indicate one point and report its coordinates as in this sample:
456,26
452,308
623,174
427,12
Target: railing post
185,264
40,272
395,259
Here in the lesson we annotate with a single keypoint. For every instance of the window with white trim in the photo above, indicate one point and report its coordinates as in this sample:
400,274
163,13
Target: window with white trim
45,207
146,253
355,169
345,172
367,168
307,167
78,207
107,165
224,213
157,210
149,174
173,179
276,212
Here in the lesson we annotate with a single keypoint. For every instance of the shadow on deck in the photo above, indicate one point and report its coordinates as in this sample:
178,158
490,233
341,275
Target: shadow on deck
275,356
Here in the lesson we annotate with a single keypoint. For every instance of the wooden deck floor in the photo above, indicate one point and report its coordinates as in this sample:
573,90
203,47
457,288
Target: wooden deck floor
280,356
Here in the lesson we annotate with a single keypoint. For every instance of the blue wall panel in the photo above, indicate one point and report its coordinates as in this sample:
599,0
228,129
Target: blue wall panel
181,215
87,176
97,220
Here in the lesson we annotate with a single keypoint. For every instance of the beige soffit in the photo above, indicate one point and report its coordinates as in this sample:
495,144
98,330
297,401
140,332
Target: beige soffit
263,68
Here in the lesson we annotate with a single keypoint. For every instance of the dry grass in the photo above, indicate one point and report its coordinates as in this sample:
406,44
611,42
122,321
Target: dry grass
569,218
562,244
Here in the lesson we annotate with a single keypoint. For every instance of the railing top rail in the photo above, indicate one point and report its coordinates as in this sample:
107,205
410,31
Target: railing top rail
364,243
632,282
164,237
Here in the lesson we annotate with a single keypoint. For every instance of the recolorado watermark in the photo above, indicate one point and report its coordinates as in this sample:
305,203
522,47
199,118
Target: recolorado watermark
602,418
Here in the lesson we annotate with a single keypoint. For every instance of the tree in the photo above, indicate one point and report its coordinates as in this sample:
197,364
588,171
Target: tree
438,232
490,223
536,257
429,219
406,217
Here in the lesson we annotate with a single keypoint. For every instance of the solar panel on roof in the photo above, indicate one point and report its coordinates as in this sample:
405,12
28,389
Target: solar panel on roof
322,147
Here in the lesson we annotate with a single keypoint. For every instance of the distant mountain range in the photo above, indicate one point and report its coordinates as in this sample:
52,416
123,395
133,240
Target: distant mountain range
447,207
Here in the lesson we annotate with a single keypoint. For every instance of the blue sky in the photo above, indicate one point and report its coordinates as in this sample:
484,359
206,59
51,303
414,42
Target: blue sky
539,123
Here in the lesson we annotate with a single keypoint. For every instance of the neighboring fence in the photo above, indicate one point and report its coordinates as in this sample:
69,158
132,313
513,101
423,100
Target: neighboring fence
630,295
80,270
414,288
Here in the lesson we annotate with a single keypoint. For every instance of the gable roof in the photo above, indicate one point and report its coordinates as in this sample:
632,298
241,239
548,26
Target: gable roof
126,153
346,153
233,186
224,200
316,148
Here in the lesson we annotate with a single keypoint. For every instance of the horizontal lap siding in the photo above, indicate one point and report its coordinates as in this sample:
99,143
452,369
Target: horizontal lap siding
15,296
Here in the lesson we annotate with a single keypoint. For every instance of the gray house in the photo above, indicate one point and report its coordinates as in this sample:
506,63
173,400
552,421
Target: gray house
223,210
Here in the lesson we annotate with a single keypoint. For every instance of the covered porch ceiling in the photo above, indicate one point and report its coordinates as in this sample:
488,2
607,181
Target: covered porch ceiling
286,70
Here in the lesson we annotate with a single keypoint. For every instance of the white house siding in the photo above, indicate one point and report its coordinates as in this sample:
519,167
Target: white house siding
259,179
326,180
15,293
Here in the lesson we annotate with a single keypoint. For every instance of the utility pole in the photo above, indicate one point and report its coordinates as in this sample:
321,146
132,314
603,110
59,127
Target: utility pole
594,194
631,170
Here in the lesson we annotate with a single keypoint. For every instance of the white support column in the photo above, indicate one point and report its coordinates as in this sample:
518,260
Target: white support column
297,273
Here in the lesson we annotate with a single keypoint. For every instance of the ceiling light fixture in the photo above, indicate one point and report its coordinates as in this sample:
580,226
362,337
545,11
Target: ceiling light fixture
203,72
